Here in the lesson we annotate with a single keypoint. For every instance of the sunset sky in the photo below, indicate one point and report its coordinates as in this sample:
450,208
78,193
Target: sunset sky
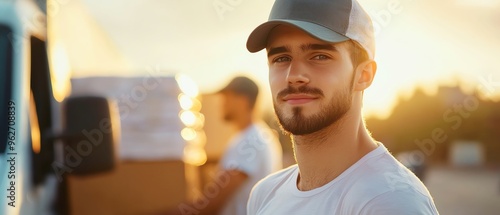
419,43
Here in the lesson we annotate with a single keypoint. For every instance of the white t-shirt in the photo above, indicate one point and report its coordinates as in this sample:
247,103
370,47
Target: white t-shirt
376,184
255,151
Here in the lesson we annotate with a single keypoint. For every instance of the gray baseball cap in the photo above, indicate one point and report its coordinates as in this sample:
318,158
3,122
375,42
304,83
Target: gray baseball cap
328,20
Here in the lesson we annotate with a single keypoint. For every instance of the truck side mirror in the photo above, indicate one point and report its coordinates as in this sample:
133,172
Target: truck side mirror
91,133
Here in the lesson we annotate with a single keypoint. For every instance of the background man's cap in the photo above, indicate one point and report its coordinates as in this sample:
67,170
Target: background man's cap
242,85
328,20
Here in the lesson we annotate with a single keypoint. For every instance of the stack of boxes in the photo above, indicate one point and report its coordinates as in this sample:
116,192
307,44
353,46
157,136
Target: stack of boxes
162,144
160,118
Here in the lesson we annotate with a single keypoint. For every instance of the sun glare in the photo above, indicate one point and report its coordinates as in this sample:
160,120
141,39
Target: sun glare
194,155
187,85
61,78
185,101
481,3
188,134
188,118
35,129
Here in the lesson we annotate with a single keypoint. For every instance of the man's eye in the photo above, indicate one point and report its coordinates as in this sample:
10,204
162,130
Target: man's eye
320,57
281,59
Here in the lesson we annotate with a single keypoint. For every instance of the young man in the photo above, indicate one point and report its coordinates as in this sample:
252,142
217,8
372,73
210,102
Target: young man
320,56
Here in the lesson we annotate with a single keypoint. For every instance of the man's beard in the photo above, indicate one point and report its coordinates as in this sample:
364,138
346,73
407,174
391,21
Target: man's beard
329,114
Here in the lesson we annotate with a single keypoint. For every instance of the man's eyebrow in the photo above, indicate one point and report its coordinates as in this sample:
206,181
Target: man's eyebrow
305,47
277,50
311,46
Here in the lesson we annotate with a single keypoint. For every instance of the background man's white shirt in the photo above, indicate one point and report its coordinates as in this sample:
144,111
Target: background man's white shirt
376,184
255,151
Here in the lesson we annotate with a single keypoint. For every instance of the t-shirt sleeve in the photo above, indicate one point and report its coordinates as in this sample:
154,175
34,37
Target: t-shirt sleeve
400,202
244,156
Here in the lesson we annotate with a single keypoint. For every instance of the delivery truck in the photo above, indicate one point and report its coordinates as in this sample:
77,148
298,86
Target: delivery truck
44,135
61,153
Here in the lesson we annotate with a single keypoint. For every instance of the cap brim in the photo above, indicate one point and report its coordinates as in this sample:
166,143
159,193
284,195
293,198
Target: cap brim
258,38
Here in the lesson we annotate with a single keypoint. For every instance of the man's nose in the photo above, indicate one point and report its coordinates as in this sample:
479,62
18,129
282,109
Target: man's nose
297,74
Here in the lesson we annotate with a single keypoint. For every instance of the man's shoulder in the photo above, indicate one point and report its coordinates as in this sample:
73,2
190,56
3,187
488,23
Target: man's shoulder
384,179
273,181
404,200
385,173
382,185
265,188
277,178
379,174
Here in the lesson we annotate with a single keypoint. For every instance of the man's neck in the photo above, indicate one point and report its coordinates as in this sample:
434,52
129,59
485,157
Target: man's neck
324,155
243,122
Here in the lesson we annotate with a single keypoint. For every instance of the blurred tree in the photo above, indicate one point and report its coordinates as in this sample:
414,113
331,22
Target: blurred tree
460,115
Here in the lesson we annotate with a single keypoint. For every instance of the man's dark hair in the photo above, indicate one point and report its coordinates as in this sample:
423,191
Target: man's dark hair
244,86
252,100
358,55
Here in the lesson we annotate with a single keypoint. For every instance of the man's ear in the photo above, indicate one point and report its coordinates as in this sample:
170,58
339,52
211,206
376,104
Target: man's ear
365,73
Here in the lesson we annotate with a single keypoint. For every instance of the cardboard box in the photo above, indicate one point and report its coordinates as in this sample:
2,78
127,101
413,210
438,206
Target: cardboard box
133,188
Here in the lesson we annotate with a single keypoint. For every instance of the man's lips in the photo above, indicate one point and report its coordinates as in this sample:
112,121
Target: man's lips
296,99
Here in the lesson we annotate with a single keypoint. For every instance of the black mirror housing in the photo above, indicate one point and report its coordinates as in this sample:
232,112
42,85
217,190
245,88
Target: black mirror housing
91,134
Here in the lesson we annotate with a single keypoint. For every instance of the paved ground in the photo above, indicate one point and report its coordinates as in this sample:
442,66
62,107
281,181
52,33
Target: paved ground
465,191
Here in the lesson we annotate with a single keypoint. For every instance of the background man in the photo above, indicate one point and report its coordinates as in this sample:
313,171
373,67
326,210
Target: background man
253,153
